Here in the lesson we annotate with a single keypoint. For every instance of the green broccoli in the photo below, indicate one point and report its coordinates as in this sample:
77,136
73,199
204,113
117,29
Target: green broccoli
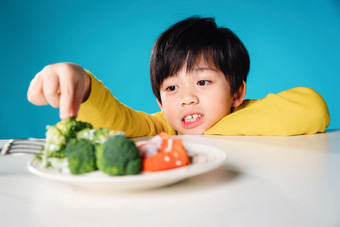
70,126
101,135
80,154
54,145
118,156
57,137
86,133
60,164
77,146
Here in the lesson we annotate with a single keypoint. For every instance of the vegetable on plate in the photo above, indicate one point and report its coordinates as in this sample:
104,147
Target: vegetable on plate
76,147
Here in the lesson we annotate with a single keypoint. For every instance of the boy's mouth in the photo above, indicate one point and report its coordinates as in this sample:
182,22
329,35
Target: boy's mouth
192,120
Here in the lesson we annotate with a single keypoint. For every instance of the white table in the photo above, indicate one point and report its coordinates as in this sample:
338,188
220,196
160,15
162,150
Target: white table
267,181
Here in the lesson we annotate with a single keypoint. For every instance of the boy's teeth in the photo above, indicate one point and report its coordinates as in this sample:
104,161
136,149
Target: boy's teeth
192,118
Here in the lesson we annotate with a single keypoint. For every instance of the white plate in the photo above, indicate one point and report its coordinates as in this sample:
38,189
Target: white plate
204,159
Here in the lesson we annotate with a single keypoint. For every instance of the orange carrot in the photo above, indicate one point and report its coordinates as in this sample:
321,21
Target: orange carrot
171,154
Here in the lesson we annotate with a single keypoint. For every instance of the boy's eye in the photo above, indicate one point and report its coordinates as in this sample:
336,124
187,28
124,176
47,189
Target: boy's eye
171,88
203,82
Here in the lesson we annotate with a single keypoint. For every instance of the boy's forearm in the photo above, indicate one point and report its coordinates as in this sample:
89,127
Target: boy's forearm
101,109
293,112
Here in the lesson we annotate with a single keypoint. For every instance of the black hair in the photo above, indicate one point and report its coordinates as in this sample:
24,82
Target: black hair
193,38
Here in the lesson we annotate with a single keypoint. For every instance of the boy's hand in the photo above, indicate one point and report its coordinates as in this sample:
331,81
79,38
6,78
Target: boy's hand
63,85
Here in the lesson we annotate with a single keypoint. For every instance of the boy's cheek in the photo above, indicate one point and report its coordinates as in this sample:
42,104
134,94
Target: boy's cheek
171,118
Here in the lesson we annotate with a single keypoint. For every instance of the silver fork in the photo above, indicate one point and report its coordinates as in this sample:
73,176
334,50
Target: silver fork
22,146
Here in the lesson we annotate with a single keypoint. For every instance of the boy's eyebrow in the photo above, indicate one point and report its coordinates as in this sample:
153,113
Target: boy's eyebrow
204,68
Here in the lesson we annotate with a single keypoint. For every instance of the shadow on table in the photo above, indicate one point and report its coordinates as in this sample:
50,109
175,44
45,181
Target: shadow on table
218,177
207,181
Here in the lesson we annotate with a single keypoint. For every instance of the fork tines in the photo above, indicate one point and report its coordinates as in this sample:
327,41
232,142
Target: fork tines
22,146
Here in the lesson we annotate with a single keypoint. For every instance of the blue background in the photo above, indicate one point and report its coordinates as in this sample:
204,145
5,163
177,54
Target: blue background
291,43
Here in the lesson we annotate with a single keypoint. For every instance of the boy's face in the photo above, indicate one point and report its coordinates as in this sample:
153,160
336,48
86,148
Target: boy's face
193,102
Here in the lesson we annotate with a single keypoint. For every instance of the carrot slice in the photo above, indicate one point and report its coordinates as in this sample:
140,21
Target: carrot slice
171,154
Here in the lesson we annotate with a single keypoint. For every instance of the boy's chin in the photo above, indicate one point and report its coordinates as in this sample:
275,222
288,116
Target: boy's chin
193,131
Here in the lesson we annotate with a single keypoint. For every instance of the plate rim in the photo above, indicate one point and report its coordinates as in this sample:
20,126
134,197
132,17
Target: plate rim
173,175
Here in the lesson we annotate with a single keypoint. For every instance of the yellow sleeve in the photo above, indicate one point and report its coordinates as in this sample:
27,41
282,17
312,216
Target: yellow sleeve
103,110
292,112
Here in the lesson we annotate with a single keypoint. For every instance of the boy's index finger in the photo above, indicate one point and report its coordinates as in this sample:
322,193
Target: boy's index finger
66,103
77,98
71,89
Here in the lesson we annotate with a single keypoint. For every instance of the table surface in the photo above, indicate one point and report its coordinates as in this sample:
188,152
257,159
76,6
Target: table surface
266,181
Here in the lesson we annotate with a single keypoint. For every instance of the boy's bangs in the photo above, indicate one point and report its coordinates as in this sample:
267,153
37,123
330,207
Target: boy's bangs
194,58
207,57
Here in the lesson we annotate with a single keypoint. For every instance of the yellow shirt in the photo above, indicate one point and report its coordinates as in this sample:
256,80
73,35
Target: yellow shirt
296,111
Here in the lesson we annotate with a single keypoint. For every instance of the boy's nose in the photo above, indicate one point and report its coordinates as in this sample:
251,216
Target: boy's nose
189,98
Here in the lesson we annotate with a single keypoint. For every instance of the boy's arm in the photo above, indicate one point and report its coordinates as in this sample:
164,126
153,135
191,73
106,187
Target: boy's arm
103,110
292,112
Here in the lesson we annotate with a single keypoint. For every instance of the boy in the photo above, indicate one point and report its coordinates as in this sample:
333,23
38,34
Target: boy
198,74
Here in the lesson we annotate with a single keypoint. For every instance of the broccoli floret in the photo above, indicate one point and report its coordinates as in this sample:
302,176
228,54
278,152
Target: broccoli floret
81,156
54,136
85,133
101,135
118,156
57,137
60,164
70,126
54,145
77,146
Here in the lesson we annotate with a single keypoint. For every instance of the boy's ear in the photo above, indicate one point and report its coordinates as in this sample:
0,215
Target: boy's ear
239,95
160,104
